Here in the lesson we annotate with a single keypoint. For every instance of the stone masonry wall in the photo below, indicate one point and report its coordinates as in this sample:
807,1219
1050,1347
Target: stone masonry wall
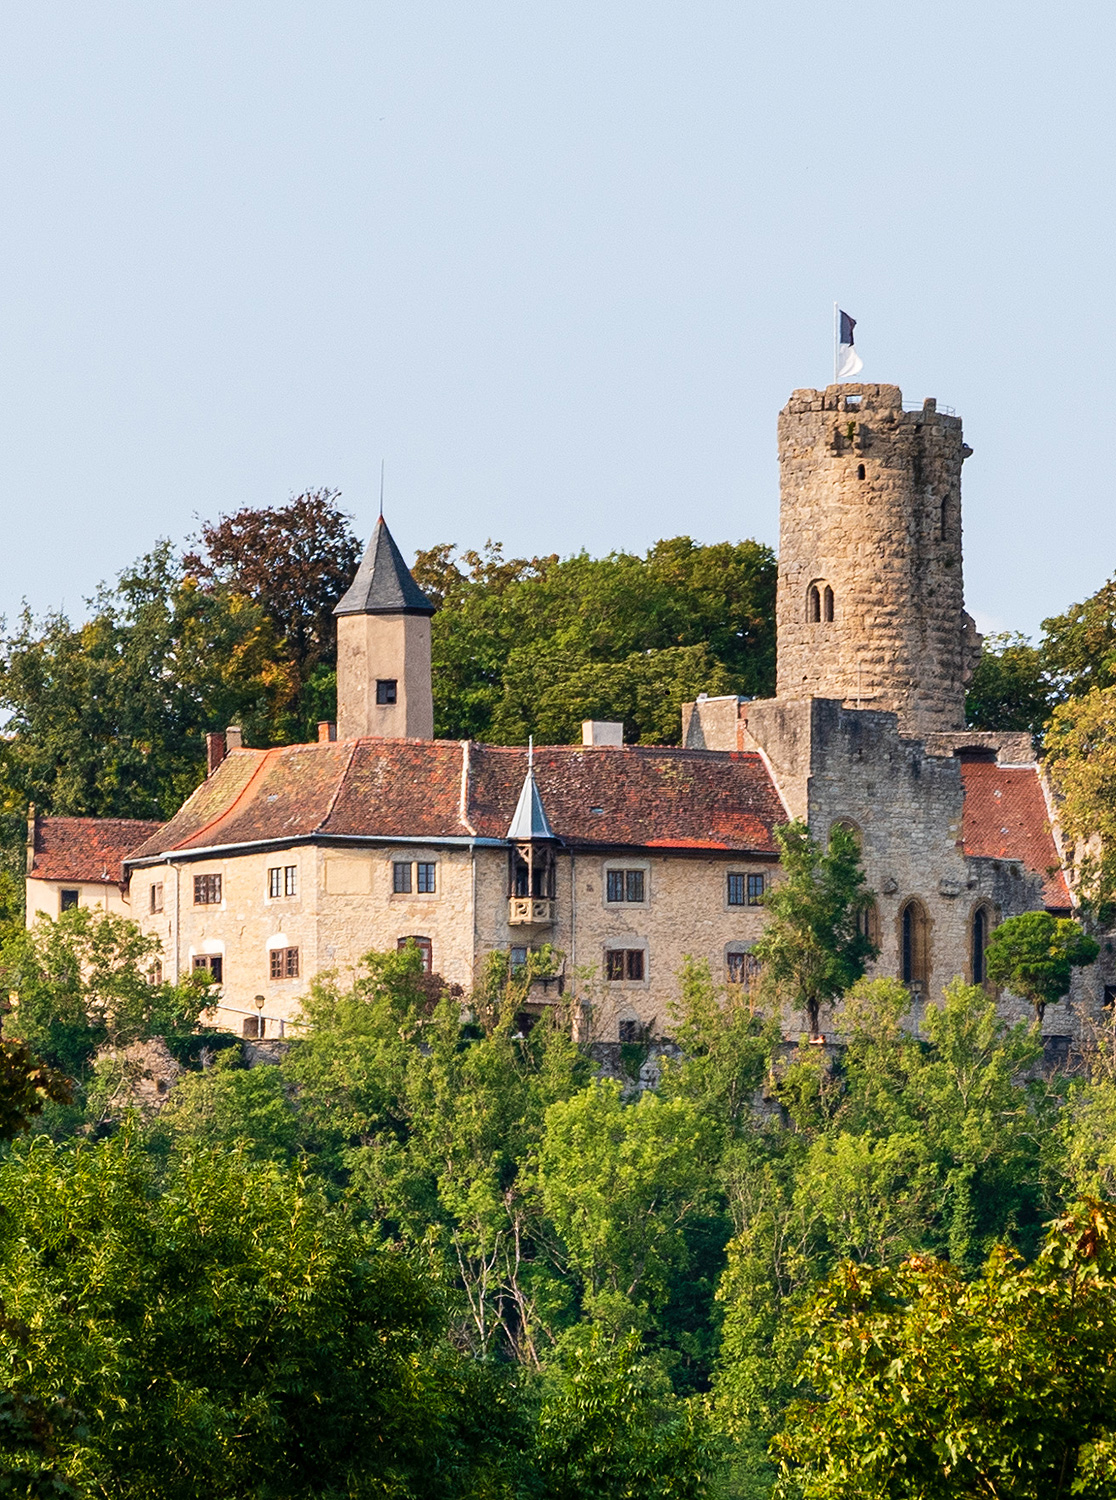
871,509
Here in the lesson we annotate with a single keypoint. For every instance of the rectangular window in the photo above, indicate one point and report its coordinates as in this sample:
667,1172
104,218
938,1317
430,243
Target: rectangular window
386,690
207,890
755,890
211,961
624,963
401,878
282,880
736,890
424,946
518,957
625,885
157,896
68,900
284,963
630,1031
155,973
426,878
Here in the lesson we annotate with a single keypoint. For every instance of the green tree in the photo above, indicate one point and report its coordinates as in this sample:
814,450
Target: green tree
226,1332
922,1385
609,1425
109,718
534,646
621,1184
814,946
1079,647
1010,688
1035,954
84,982
1081,761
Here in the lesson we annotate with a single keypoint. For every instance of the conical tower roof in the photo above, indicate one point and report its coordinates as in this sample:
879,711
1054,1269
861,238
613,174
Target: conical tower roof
529,820
383,584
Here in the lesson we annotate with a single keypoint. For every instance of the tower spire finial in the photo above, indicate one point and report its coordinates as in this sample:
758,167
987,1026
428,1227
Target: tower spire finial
381,489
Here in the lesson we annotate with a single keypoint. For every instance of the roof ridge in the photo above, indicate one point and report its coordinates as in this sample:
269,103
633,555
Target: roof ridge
337,789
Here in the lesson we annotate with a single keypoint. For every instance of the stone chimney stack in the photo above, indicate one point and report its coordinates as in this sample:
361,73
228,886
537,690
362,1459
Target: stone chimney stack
384,683
870,603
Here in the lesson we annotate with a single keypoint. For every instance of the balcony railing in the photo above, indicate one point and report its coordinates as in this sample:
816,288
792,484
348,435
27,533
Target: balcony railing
530,911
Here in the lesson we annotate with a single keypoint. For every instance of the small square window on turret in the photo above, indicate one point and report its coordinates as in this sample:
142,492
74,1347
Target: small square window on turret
387,690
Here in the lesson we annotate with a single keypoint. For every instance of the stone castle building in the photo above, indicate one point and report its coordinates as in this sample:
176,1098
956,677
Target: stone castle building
626,859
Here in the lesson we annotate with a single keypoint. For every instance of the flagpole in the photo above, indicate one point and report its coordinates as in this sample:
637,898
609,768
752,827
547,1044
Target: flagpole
836,346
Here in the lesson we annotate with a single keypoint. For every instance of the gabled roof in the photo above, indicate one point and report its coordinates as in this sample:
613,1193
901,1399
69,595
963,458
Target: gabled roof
1005,817
383,584
445,789
529,819
86,850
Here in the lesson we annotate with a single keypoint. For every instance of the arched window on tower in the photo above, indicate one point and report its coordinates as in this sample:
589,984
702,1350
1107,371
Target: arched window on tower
813,604
860,471
914,946
827,605
980,929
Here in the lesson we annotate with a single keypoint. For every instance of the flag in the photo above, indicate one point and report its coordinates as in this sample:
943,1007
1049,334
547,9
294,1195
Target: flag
849,361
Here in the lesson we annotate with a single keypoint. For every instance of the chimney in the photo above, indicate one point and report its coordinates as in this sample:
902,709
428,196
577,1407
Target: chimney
234,739
214,751
601,732
326,731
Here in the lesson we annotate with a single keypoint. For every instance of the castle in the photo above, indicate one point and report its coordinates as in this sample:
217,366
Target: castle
626,859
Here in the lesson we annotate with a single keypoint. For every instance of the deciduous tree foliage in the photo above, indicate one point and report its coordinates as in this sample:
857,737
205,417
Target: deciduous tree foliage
813,946
294,561
535,646
1010,687
1034,955
1081,760
925,1385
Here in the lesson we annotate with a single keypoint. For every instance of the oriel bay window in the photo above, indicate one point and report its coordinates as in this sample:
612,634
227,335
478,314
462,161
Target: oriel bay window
532,870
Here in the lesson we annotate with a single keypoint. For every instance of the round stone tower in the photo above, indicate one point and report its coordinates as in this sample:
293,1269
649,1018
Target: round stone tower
870,603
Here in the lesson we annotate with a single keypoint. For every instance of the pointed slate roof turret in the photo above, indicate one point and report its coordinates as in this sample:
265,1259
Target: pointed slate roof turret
383,584
529,821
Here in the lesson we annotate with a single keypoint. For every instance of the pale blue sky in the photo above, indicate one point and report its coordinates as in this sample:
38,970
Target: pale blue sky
559,264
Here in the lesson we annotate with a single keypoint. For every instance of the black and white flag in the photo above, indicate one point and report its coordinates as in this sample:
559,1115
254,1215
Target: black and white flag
849,361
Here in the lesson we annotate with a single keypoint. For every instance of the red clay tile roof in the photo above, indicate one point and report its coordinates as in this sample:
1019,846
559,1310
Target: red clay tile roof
374,788
86,849
1005,817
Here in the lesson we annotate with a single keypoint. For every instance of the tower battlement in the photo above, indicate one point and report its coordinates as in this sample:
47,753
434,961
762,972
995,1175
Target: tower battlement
870,598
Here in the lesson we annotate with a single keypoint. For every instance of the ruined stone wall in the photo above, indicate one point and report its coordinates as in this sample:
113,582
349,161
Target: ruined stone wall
837,764
870,519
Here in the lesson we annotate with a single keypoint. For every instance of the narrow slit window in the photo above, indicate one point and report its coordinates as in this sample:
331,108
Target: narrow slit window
860,472
813,605
827,605
979,944
157,896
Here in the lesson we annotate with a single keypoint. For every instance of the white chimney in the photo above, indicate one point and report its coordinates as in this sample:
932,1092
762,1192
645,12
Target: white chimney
600,732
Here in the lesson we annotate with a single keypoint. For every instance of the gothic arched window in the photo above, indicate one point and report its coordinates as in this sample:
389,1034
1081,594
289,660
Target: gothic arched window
980,928
914,946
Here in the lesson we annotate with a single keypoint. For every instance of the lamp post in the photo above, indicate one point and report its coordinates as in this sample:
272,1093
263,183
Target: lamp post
260,1021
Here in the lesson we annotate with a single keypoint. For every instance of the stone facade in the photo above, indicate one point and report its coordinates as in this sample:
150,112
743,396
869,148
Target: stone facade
870,597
